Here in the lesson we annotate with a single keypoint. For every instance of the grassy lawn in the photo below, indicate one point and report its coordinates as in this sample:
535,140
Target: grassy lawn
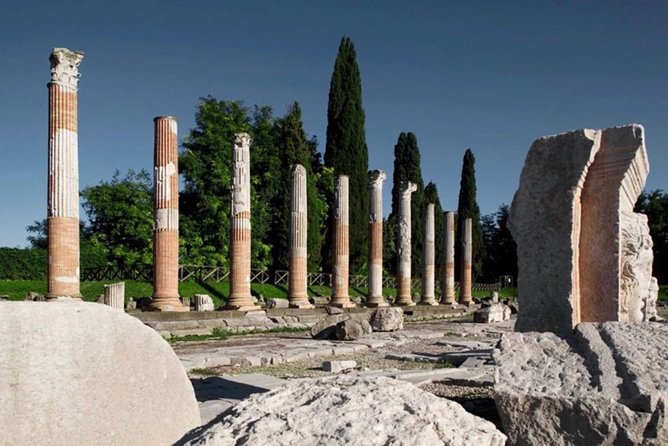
17,290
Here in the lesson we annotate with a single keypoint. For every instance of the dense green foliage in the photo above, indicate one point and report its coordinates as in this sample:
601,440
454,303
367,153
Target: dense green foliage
120,218
655,205
406,168
346,151
22,264
467,207
500,249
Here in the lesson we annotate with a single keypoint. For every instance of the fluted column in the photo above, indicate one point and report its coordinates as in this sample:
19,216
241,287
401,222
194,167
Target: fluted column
63,180
240,240
340,297
448,267
166,216
375,297
297,293
465,295
406,189
428,257
114,295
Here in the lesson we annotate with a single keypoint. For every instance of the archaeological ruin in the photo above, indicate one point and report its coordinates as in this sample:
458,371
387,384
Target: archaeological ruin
376,299
404,297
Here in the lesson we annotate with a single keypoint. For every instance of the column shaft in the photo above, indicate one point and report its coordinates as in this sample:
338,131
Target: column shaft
240,240
166,217
63,177
428,257
297,290
448,269
340,297
375,297
406,188
465,296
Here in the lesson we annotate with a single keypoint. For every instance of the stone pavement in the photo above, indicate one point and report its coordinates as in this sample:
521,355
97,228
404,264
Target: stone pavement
465,344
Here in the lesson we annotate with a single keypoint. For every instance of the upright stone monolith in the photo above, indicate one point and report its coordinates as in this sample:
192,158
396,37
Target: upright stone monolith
240,240
166,217
406,188
63,180
428,257
297,293
340,297
375,297
448,267
465,282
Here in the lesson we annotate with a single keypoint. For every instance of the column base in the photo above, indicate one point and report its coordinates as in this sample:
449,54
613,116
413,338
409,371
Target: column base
467,303
404,304
448,301
61,298
376,302
252,307
428,301
342,303
170,304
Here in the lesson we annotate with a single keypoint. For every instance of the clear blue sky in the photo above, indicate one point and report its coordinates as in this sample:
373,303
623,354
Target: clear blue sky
490,75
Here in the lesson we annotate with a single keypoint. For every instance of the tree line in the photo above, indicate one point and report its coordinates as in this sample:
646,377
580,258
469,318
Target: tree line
120,211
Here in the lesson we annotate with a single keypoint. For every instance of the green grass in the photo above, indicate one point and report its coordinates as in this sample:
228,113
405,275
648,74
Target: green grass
663,292
222,334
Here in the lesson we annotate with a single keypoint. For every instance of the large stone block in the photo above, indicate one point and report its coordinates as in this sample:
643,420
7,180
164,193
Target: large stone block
81,373
583,254
603,384
346,410
387,319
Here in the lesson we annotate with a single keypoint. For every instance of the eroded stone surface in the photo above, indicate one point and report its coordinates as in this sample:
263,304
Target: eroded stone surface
80,373
346,410
387,319
604,384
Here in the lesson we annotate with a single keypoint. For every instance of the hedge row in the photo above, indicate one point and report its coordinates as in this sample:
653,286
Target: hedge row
31,263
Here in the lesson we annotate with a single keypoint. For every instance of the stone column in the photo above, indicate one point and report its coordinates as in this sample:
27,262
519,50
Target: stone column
63,180
406,188
340,296
240,240
428,257
114,295
166,217
465,296
375,297
297,294
448,269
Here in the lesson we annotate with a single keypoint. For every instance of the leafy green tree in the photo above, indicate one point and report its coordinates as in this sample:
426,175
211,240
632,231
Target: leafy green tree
295,148
407,168
467,207
346,151
205,163
120,215
431,196
655,205
500,248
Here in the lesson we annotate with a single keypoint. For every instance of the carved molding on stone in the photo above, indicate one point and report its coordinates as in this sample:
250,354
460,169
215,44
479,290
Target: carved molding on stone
65,67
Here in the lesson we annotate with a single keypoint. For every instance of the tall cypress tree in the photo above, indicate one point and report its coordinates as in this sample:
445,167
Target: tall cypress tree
295,148
467,207
407,168
431,196
346,151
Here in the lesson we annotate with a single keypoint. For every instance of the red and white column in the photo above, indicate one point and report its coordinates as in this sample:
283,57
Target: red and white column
375,298
166,217
240,240
465,283
297,293
448,269
406,189
63,181
340,297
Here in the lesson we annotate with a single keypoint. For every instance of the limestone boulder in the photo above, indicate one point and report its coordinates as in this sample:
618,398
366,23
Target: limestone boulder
494,312
605,383
203,302
346,410
82,373
325,328
277,303
352,329
387,319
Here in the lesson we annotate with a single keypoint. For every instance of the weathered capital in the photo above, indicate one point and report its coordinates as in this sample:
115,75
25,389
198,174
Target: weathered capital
406,188
65,67
242,140
376,178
